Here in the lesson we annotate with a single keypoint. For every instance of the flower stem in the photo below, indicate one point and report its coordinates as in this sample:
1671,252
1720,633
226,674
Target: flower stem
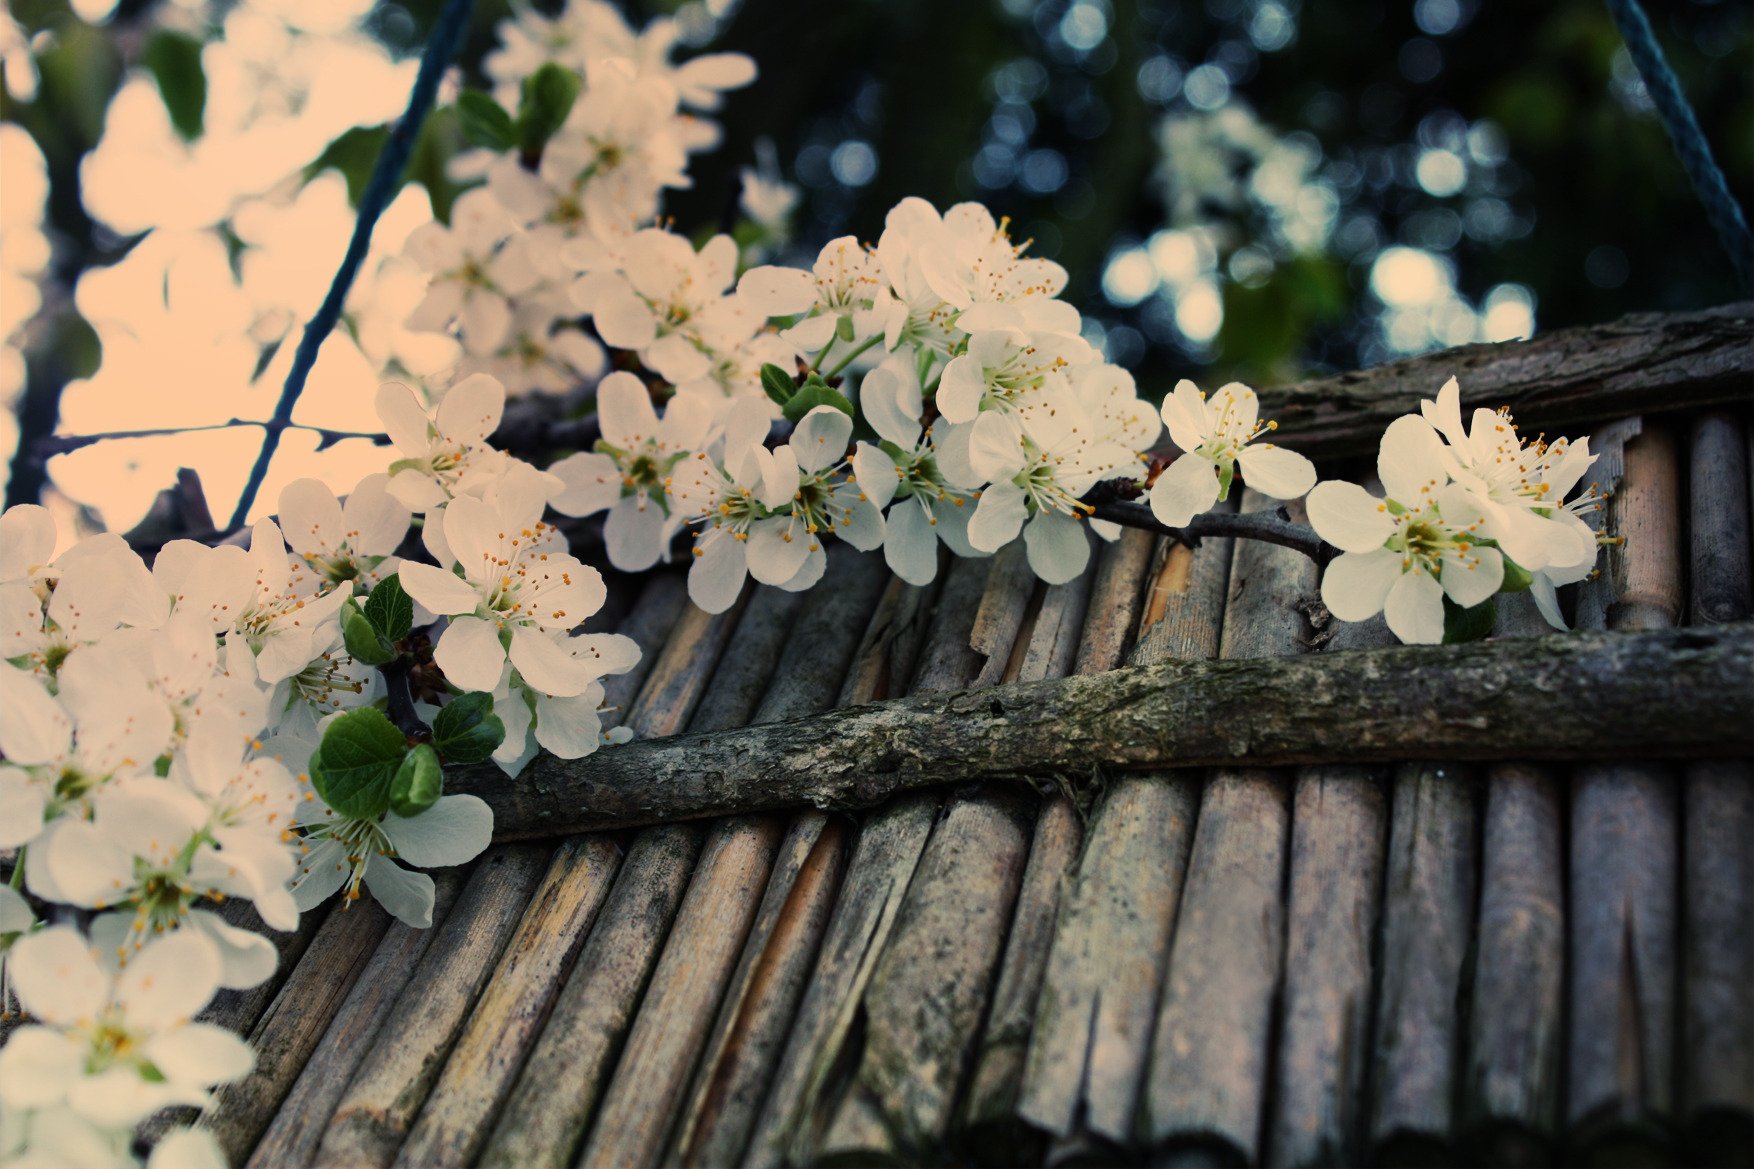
848,359
17,879
1270,527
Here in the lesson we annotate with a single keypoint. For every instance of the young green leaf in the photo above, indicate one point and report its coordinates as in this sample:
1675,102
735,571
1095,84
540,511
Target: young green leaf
485,122
390,609
1516,577
778,383
547,99
1471,624
467,730
175,61
361,637
355,765
816,393
419,782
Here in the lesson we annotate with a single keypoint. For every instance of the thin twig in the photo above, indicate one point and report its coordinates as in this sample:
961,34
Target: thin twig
63,444
1271,527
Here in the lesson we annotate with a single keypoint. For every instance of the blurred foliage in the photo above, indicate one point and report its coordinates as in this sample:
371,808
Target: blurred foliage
1510,144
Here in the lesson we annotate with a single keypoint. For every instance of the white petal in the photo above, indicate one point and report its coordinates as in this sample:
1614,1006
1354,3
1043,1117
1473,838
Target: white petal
440,591
470,654
187,1148
592,483
717,575
777,548
246,958
33,727
815,564
1058,548
37,1067
634,534
27,540
1410,461
569,728
623,320
1185,488
56,976
910,543
994,448
777,292
821,438
1355,584
401,413
961,388
1471,579
997,517
170,980
310,515
1414,608
407,895
202,1054
471,410
876,474
1275,471
675,358
454,831
1349,517
486,321
545,666
376,520
624,410
1184,413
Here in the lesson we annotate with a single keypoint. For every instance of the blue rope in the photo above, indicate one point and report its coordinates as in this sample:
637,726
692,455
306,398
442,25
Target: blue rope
1721,208
386,176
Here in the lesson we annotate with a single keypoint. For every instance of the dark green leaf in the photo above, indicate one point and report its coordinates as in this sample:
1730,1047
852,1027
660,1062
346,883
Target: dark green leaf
1470,624
419,782
356,764
815,394
175,61
485,122
547,99
1516,578
390,609
361,636
353,154
779,384
467,730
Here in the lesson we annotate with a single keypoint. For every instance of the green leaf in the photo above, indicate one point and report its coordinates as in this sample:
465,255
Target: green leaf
353,154
390,609
175,61
816,393
779,384
355,766
547,99
485,122
419,782
467,730
361,637
1471,624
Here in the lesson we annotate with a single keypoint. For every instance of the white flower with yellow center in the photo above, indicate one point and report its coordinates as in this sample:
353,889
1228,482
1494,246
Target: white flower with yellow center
445,453
1216,438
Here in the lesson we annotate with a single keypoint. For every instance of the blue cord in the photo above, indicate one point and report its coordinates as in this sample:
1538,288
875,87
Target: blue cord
386,176
1721,208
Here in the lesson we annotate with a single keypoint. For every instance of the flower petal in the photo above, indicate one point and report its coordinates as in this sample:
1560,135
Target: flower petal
169,981
1058,548
716,577
407,895
1410,461
470,654
56,976
1469,579
471,410
625,411
1275,471
545,666
1186,488
442,592
997,517
454,831
1414,608
1349,517
1355,584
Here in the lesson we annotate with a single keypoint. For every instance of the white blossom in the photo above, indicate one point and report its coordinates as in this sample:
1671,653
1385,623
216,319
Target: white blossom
1216,437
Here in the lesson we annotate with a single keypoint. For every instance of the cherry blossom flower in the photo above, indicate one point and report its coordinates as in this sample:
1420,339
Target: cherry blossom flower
344,542
346,853
1216,437
445,453
669,302
478,264
726,497
1404,553
1000,366
626,471
845,284
116,1048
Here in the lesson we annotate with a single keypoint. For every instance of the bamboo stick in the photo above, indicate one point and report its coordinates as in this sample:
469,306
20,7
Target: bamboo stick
764,989
1647,362
798,1103
291,1137
398,1069
1092,1031
988,1117
1511,1083
1338,824
1206,1083
512,1010
932,981
549,1107
1717,929
294,1022
1624,864
1428,919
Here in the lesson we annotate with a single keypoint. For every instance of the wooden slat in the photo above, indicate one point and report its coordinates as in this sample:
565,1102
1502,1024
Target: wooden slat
1092,1031
797,1107
549,1108
291,1137
1624,865
398,1069
1511,1083
1207,1081
515,1004
1338,825
1717,929
1557,382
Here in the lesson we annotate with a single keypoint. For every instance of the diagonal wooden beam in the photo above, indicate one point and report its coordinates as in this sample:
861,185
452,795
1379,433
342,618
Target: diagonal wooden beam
1562,382
1686,693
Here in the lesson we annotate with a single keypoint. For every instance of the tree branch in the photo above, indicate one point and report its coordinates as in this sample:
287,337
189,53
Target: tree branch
1270,527
62,444
1667,694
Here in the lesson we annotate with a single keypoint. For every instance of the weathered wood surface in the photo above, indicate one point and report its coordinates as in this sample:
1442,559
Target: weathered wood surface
1717,925
1338,825
1625,835
291,1137
289,1030
1206,1083
1646,362
1092,1032
1482,701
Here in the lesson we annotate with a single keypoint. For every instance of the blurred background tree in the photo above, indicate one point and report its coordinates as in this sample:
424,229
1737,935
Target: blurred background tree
1239,188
